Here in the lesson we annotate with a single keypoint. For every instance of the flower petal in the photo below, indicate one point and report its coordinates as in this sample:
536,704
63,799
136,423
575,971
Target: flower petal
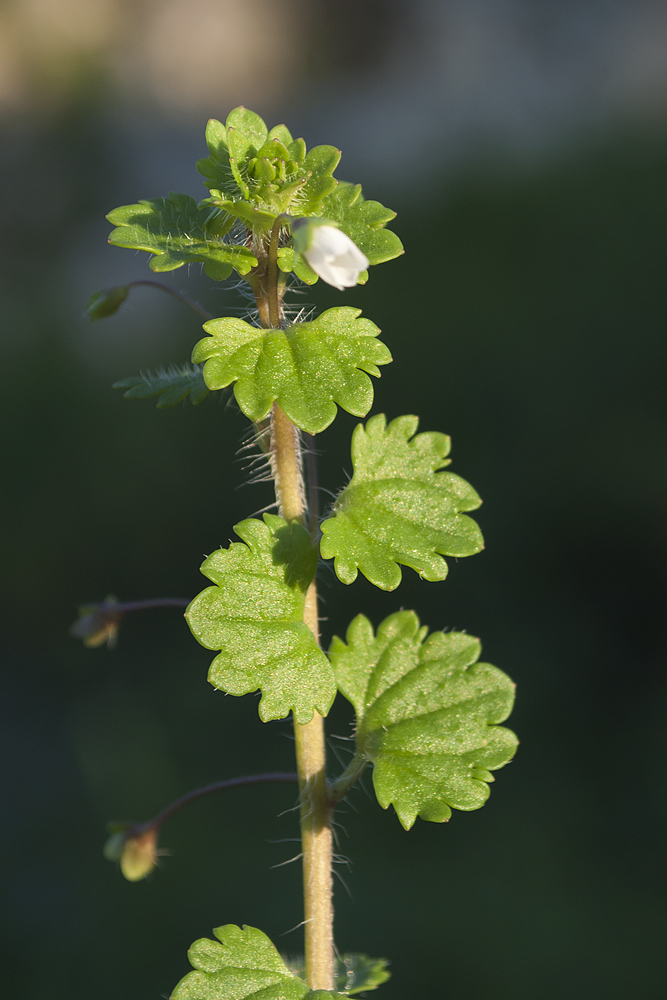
334,257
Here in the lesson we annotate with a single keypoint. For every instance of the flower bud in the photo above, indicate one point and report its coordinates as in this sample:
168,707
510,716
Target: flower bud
98,623
137,854
327,250
106,302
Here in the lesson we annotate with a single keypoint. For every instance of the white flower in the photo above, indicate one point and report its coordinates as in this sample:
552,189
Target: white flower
333,256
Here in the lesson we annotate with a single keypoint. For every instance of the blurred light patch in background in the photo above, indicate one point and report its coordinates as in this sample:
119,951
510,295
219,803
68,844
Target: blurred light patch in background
395,76
179,57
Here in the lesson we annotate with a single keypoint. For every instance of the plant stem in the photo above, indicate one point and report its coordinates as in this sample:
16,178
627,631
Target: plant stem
146,605
316,836
177,295
98,623
339,788
198,793
313,488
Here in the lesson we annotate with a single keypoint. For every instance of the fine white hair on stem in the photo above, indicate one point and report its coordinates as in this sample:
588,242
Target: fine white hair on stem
290,861
297,927
342,881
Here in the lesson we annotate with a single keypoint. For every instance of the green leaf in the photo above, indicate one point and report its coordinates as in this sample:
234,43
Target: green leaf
398,508
244,211
290,260
282,134
355,973
242,964
254,615
427,715
320,164
307,369
216,168
363,221
178,231
172,385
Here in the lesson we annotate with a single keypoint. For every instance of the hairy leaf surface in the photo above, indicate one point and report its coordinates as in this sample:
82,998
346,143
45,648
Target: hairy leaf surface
178,231
242,964
399,508
171,385
307,369
427,714
254,615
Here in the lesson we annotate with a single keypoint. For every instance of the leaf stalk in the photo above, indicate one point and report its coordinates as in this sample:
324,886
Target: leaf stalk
339,788
192,303
218,786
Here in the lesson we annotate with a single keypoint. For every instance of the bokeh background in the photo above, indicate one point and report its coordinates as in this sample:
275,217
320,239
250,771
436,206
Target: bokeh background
523,143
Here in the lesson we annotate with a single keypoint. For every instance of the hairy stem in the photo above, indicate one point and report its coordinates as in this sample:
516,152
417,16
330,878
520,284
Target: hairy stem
316,836
313,489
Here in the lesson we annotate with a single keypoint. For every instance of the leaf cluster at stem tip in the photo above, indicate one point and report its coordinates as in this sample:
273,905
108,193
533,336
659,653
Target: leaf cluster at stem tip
254,177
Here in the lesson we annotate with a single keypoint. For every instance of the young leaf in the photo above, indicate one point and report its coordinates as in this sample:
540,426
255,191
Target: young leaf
398,508
178,231
172,385
255,176
427,715
245,211
215,167
355,973
242,964
246,133
307,369
254,615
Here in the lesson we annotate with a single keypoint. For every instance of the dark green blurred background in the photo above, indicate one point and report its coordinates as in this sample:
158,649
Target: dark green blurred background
523,146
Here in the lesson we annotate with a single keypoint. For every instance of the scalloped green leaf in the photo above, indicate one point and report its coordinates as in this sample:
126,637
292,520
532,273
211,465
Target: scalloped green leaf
178,231
398,508
171,385
243,964
355,972
253,614
428,715
307,369
363,221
